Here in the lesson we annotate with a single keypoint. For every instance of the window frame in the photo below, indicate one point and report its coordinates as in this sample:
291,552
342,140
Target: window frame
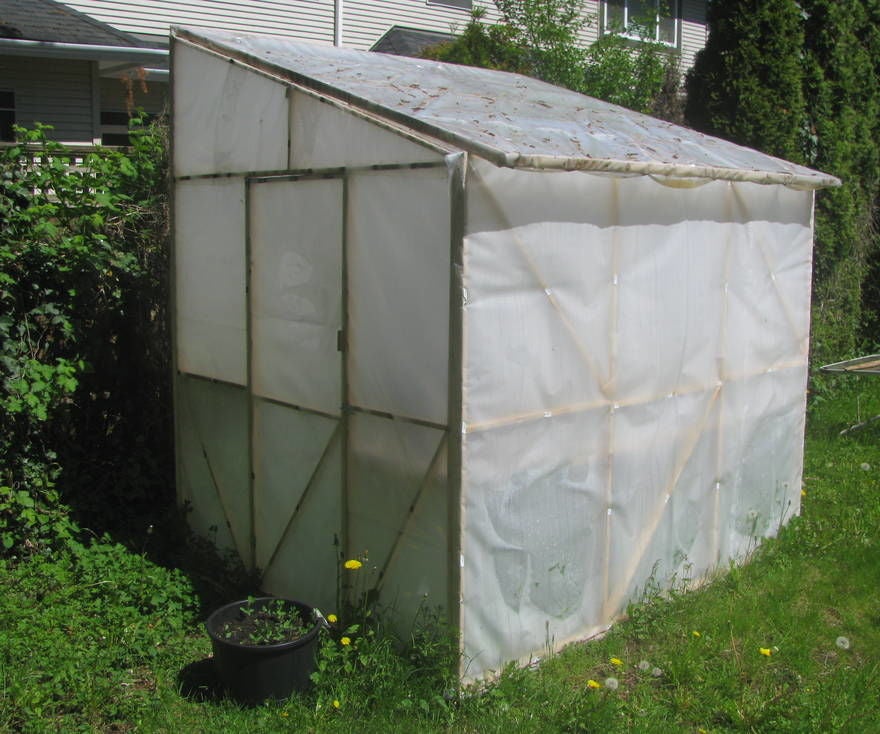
466,5
675,8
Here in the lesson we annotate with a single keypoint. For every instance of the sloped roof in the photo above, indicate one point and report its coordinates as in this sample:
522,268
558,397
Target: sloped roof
46,20
509,119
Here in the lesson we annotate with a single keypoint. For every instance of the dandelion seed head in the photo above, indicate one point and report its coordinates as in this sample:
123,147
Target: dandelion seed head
842,642
865,466
612,684
644,665
656,672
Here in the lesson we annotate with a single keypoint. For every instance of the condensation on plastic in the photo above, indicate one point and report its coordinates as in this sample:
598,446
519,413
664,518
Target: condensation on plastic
213,462
324,136
297,464
398,292
209,264
226,118
296,291
634,372
395,465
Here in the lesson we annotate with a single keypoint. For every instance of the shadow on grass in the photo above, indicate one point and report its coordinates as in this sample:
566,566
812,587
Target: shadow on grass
198,682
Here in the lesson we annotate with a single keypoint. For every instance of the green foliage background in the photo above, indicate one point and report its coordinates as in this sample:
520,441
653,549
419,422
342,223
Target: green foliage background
84,378
800,80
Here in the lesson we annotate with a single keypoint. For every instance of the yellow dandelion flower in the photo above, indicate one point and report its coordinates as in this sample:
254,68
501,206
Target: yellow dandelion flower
766,651
616,661
593,684
332,618
346,640
353,565
696,634
336,703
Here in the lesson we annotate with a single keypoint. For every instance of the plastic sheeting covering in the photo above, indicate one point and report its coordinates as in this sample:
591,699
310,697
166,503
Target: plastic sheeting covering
398,263
209,263
296,285
226,118
634,377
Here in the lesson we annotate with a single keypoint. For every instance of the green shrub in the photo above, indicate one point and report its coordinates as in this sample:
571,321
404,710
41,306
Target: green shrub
83,344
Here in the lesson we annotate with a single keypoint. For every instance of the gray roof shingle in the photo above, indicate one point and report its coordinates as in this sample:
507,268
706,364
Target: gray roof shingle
47,20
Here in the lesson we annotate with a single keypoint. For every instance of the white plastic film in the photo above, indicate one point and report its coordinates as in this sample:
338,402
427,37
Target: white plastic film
297,471
674,321
395,466
534,547
296,291
209,263
227,119
213,462
398,291
324,136
288,447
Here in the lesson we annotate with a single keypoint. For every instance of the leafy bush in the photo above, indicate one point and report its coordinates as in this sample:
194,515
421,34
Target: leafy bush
542,39
83,344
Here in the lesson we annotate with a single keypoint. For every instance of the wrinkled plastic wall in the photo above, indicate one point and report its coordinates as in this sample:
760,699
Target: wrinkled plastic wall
635,362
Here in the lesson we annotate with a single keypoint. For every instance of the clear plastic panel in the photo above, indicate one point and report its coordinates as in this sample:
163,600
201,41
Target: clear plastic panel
392,463
209,263
213,462
415,581
533,541
288,447
296,291
227,119
398,266
324,136
306,562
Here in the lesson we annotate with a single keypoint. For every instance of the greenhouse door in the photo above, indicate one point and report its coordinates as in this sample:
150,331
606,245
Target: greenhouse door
295,371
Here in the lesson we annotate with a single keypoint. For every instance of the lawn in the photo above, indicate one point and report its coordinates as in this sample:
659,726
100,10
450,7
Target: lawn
101,638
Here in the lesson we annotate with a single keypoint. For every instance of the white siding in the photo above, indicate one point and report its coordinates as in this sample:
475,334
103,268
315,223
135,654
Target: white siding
306,20
57,94
693,31
367,20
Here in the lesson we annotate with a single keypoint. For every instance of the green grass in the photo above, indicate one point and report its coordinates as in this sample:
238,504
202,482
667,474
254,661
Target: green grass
96,639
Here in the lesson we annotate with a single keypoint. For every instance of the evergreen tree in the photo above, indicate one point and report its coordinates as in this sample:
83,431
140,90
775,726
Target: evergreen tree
746,85
801,80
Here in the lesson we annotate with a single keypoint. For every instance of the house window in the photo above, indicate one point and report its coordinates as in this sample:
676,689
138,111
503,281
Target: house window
7,115
463,4
645,20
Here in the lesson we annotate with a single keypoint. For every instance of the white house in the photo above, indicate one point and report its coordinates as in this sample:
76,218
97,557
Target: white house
80,65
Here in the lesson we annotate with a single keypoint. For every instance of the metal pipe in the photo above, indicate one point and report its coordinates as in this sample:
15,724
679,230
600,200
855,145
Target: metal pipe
92,52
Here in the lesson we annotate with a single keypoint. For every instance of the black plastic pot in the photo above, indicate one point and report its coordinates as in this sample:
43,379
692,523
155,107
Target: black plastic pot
254,673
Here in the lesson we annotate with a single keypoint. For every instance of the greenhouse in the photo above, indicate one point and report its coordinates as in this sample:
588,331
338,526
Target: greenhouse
523,350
